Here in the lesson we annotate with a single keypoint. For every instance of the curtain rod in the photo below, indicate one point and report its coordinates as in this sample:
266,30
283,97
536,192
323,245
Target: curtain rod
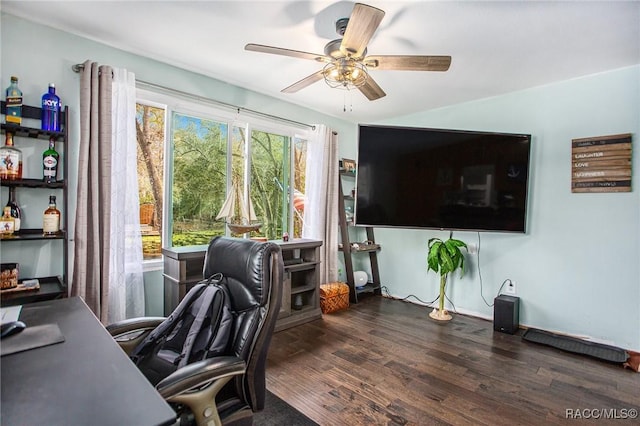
79,67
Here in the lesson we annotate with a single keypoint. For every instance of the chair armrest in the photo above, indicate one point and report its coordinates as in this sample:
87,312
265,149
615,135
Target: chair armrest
196,386
133,324
198,373
130,332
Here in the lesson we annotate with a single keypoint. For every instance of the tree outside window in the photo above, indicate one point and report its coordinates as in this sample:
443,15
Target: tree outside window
205,159
150,124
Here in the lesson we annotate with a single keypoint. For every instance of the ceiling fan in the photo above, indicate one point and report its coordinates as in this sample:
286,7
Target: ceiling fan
346,61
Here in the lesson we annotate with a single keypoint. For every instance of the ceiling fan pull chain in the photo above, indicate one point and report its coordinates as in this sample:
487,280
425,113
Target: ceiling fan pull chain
344,101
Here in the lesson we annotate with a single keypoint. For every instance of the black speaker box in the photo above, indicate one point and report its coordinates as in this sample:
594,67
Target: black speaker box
506,314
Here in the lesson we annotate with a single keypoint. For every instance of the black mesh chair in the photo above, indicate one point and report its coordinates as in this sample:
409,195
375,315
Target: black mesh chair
225,389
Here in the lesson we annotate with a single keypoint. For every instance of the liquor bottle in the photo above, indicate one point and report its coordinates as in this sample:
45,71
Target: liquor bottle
51,110
50,162
10,160
16,213
14,103
51,218
7,223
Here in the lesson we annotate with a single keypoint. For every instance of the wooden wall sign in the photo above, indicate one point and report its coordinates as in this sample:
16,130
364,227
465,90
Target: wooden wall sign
601,164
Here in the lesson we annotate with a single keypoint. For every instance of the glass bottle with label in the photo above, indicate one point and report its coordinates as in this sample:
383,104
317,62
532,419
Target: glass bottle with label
10,160
16,213
7,223
50,162
51,218
14,103
50,110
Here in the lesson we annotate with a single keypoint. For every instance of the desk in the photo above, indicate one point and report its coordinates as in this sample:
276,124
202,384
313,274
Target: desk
87,379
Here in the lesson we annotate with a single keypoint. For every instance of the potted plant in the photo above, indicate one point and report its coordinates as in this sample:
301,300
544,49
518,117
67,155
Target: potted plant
444,257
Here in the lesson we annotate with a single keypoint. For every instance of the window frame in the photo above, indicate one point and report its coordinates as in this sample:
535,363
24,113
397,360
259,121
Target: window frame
199,107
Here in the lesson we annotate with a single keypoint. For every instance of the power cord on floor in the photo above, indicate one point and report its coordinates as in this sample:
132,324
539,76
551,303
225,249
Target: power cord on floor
385,290
406,299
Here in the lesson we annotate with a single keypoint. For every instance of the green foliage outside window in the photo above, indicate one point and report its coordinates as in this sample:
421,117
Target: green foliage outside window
199,177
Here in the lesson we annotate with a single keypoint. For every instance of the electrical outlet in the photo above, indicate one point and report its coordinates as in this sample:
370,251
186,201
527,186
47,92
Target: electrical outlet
472,248
510,288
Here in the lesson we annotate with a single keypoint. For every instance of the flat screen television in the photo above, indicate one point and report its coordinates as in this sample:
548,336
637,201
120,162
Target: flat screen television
442,179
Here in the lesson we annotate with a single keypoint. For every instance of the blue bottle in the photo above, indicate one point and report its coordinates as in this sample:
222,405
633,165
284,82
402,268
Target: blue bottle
14,103
51,110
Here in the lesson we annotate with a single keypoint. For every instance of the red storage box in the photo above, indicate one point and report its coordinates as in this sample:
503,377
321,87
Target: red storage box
334,297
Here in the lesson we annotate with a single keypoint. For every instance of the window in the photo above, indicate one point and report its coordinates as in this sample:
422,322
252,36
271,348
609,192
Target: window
150,129
199,175
191,156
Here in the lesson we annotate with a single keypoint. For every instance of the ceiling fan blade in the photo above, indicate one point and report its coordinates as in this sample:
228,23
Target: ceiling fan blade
285,52
363,23
408,63
371,89
307,81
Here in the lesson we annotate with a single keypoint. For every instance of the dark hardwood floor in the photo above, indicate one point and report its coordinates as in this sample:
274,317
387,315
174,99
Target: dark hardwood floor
384,362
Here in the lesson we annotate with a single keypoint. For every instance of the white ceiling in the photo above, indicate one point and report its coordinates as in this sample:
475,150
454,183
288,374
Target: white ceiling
497,47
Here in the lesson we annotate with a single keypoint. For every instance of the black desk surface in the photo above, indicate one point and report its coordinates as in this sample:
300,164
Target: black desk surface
87,379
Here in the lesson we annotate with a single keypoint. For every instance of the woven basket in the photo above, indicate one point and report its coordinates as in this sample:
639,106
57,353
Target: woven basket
334,297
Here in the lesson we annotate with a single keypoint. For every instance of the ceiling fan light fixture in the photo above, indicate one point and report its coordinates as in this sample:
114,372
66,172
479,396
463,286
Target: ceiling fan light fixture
345,73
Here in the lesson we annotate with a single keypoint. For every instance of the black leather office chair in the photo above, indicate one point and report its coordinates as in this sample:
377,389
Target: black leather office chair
226,389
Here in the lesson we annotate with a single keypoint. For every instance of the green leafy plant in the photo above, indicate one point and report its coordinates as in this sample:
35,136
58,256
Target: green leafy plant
445,257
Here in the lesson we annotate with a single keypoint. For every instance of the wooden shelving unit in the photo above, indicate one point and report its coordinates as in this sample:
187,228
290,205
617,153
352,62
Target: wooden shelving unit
183,268
51,287
351,249
301,287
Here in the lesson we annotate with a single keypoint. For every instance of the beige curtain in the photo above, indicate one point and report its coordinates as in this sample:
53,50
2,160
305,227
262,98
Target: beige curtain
91,257
321,207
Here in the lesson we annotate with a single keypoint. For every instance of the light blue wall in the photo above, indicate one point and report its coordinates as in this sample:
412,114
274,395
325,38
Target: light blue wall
39,55
577,267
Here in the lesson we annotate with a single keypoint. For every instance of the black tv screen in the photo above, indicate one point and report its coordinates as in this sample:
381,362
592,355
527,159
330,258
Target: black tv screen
442,179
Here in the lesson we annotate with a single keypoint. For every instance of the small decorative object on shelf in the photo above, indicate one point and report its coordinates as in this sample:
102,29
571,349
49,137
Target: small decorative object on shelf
51,218
349,165
285,237
50,162
7,224
16,213
51,110
14,102
26,285
361,278
297,302
9,275
365,246
349,214
238,213
10,160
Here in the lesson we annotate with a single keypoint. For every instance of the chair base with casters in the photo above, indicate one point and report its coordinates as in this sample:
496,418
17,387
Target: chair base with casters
225,389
